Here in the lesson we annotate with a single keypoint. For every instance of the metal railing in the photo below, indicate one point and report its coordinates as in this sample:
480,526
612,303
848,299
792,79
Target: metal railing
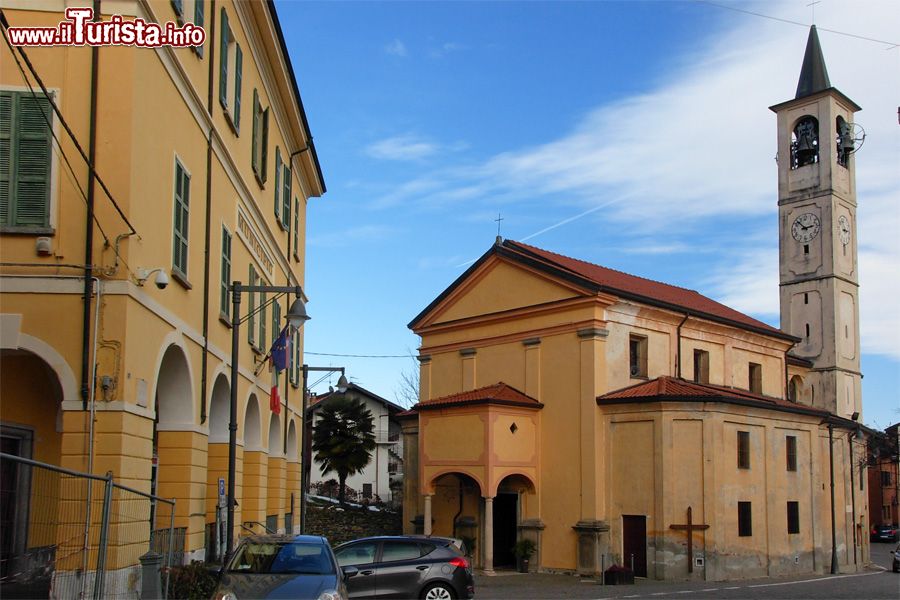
76,535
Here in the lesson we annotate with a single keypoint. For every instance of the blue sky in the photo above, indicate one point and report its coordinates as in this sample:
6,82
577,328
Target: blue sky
635,135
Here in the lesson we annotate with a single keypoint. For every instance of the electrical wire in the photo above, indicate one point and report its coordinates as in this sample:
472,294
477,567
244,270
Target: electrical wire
764,16
360,355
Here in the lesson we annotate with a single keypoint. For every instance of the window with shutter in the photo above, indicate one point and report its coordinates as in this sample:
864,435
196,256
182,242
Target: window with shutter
264,150
296,229
238,77
223,60
199,19
261,340
251,309
226,272
25,158
254,143
276,321
180,229
286,198
260,145
278,216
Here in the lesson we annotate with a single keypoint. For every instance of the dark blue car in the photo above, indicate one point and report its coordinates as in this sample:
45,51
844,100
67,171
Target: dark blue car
300,567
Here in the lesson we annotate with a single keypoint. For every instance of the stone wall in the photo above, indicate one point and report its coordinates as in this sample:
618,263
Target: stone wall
342,525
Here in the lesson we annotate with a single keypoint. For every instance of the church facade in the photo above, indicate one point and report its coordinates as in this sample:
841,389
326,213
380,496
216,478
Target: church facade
612,419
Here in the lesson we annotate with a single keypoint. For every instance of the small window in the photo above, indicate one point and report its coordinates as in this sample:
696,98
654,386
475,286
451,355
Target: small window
25,140
805,248
260,148
793,517
745,519
794,388
367,490
226,273
805,298
886,479
743,449
230,60
701,366
807,331
181,220
396,551
637,346
790,445
755,376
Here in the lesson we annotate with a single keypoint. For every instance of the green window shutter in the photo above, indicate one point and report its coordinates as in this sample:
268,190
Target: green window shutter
238,70
24,160
178,5
199,19
254,150
223,61
286,197
264,151
277,186
261,342
276,321
180,229
226,271
6,174
296,226
251,318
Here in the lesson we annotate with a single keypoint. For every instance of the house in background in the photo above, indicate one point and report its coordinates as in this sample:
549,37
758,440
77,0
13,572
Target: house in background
884,476
384,474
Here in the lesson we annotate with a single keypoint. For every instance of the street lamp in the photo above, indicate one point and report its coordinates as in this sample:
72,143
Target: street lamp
306,455
296,318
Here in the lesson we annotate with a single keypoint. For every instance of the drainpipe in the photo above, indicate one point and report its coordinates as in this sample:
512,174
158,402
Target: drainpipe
852,494
678,347
90,464
459,512
89,225
834,560
209,108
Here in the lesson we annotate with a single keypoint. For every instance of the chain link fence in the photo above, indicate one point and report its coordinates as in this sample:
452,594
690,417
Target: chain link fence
72,535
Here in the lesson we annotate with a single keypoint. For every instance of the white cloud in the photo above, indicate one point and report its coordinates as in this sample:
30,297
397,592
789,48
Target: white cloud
362,234
445,49
396,48
403,147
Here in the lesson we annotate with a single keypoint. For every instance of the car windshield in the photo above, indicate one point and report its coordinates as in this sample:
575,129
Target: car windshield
282,558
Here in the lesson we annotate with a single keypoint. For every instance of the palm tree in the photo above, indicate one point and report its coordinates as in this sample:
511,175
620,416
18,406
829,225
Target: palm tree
343,439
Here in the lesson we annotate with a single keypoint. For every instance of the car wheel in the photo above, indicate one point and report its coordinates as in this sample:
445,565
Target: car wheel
438,591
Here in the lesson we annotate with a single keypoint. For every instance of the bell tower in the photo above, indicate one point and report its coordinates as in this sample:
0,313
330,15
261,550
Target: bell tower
819,281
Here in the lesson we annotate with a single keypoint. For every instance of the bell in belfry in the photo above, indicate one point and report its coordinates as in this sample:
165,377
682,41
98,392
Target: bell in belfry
807,142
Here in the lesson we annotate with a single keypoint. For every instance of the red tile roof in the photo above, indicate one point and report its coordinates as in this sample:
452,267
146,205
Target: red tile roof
670,388
499,393
644,289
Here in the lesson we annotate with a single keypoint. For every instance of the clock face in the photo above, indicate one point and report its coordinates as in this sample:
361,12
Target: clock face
805,228
844,229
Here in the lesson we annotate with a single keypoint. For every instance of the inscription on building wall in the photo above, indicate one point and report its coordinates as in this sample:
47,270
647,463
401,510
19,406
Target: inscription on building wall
252,240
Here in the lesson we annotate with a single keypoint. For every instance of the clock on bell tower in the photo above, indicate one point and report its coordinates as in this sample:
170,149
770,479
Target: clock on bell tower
819,281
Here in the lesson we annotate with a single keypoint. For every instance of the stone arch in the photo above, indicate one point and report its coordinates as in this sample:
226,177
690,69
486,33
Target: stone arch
292,449
429,486
219,410
805,142
520,481
252,425
54,360
174,390
275,436
456,504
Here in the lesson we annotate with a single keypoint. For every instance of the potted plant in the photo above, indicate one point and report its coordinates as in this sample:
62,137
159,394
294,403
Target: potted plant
523,550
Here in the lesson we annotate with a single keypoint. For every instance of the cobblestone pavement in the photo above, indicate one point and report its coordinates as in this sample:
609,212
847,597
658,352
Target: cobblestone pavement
875,583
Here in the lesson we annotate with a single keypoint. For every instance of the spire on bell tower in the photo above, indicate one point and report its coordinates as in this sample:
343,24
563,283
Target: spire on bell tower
813,74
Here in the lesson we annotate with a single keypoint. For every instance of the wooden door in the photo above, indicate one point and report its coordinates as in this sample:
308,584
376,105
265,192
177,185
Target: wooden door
634,543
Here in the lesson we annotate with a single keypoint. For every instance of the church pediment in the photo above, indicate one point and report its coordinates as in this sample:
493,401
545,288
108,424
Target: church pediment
495,284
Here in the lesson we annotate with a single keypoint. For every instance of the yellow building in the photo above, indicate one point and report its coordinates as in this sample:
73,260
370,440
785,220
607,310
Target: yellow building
116,342
615,419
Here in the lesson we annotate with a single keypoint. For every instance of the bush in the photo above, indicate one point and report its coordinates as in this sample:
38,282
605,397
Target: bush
192,582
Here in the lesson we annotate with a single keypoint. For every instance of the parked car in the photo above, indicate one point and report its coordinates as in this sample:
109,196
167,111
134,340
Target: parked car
432,568
283,566
896,562
885,533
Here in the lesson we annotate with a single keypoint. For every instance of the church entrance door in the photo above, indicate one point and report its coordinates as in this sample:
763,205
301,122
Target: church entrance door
505,515
634,543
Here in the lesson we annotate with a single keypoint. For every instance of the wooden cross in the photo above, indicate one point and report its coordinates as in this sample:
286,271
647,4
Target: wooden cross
690,527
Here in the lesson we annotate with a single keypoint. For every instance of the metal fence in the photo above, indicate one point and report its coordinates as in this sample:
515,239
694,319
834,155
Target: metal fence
73,535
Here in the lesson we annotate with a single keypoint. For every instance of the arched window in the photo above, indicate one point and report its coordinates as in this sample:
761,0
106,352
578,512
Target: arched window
805,142
795,388
843,140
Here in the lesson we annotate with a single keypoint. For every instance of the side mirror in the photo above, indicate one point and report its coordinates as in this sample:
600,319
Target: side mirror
349,571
